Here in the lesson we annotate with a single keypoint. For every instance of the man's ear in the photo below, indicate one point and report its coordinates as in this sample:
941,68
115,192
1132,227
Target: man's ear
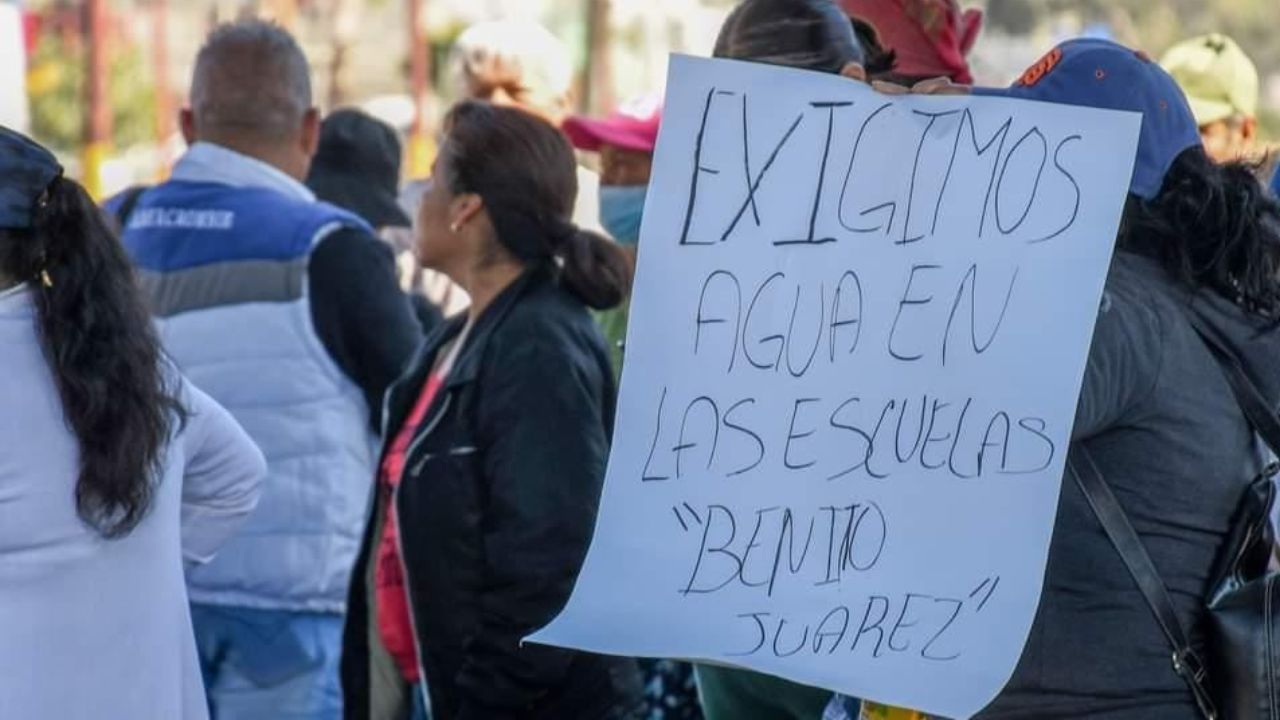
187,124
1249,129
310,136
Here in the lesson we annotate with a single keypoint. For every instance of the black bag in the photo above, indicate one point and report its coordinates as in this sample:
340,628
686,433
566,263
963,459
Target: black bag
1236,675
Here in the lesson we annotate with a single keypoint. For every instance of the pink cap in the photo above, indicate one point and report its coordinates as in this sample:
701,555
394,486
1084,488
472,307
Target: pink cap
634,126
929,37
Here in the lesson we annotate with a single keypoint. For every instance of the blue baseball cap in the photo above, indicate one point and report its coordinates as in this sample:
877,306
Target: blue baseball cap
26,171
1099,73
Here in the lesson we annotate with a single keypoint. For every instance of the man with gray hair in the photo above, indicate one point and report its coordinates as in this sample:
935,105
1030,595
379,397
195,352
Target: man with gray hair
520,63
287,311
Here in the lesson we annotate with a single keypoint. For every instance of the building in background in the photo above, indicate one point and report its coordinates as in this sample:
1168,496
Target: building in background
14,47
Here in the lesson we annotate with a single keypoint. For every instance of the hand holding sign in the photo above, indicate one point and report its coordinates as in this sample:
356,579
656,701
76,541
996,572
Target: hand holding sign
857,337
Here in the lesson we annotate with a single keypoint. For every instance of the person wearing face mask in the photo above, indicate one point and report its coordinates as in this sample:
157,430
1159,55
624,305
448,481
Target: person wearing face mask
625,141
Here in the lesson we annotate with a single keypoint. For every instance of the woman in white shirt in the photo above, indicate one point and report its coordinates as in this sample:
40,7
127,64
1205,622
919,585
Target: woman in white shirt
113,470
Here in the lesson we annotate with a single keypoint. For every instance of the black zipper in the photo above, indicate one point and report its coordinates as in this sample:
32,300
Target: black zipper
431,426
427,457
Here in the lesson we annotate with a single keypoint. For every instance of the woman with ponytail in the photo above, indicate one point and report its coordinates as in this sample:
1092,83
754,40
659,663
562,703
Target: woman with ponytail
114,472
495,451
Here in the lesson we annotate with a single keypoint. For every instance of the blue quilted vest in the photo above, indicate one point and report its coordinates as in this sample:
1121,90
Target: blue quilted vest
225,269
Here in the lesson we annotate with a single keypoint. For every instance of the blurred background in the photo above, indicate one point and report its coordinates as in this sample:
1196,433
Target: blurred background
101,81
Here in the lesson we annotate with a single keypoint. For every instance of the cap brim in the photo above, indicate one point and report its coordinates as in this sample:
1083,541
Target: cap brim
590,135
374,206
1013,91
1207,112
386,212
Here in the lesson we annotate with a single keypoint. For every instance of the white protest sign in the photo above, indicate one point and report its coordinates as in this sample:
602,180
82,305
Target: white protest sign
858,333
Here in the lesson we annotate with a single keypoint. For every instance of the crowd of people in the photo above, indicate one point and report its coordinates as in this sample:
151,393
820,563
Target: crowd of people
295,441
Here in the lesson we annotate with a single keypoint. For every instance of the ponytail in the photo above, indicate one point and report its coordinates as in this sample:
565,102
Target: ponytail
98,338
596,270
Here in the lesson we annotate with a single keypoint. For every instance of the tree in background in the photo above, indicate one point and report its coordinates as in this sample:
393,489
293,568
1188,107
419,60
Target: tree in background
56,89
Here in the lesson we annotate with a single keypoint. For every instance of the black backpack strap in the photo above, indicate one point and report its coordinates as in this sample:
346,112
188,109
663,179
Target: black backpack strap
1125,538
1186,661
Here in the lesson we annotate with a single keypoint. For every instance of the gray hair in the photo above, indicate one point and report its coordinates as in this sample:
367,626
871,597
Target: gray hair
520,58
252,79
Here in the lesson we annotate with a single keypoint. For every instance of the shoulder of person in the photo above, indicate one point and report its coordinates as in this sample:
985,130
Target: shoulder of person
547,325
549,309
1140,301
342,219
343,241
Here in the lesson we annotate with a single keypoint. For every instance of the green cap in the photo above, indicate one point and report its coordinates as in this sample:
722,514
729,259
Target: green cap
1219,80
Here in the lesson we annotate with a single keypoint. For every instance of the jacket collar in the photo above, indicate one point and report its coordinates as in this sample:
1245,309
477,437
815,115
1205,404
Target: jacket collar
468,363
209,163
467,366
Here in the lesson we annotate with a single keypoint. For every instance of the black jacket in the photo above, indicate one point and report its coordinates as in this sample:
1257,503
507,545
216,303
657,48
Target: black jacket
1159,419
495,511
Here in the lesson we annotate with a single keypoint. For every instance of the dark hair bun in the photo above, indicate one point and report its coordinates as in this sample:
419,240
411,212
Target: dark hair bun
596,270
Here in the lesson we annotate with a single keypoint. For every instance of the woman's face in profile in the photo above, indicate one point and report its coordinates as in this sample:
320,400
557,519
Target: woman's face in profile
437,238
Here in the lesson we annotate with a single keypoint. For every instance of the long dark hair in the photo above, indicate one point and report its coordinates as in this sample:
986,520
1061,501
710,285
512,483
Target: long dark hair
105,356
879,61
1212,225
524,170
806,34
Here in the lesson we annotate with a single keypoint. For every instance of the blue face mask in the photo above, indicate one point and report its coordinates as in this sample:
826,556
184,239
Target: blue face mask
621,207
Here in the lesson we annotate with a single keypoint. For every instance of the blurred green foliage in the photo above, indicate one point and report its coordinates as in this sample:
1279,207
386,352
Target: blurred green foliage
58,94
